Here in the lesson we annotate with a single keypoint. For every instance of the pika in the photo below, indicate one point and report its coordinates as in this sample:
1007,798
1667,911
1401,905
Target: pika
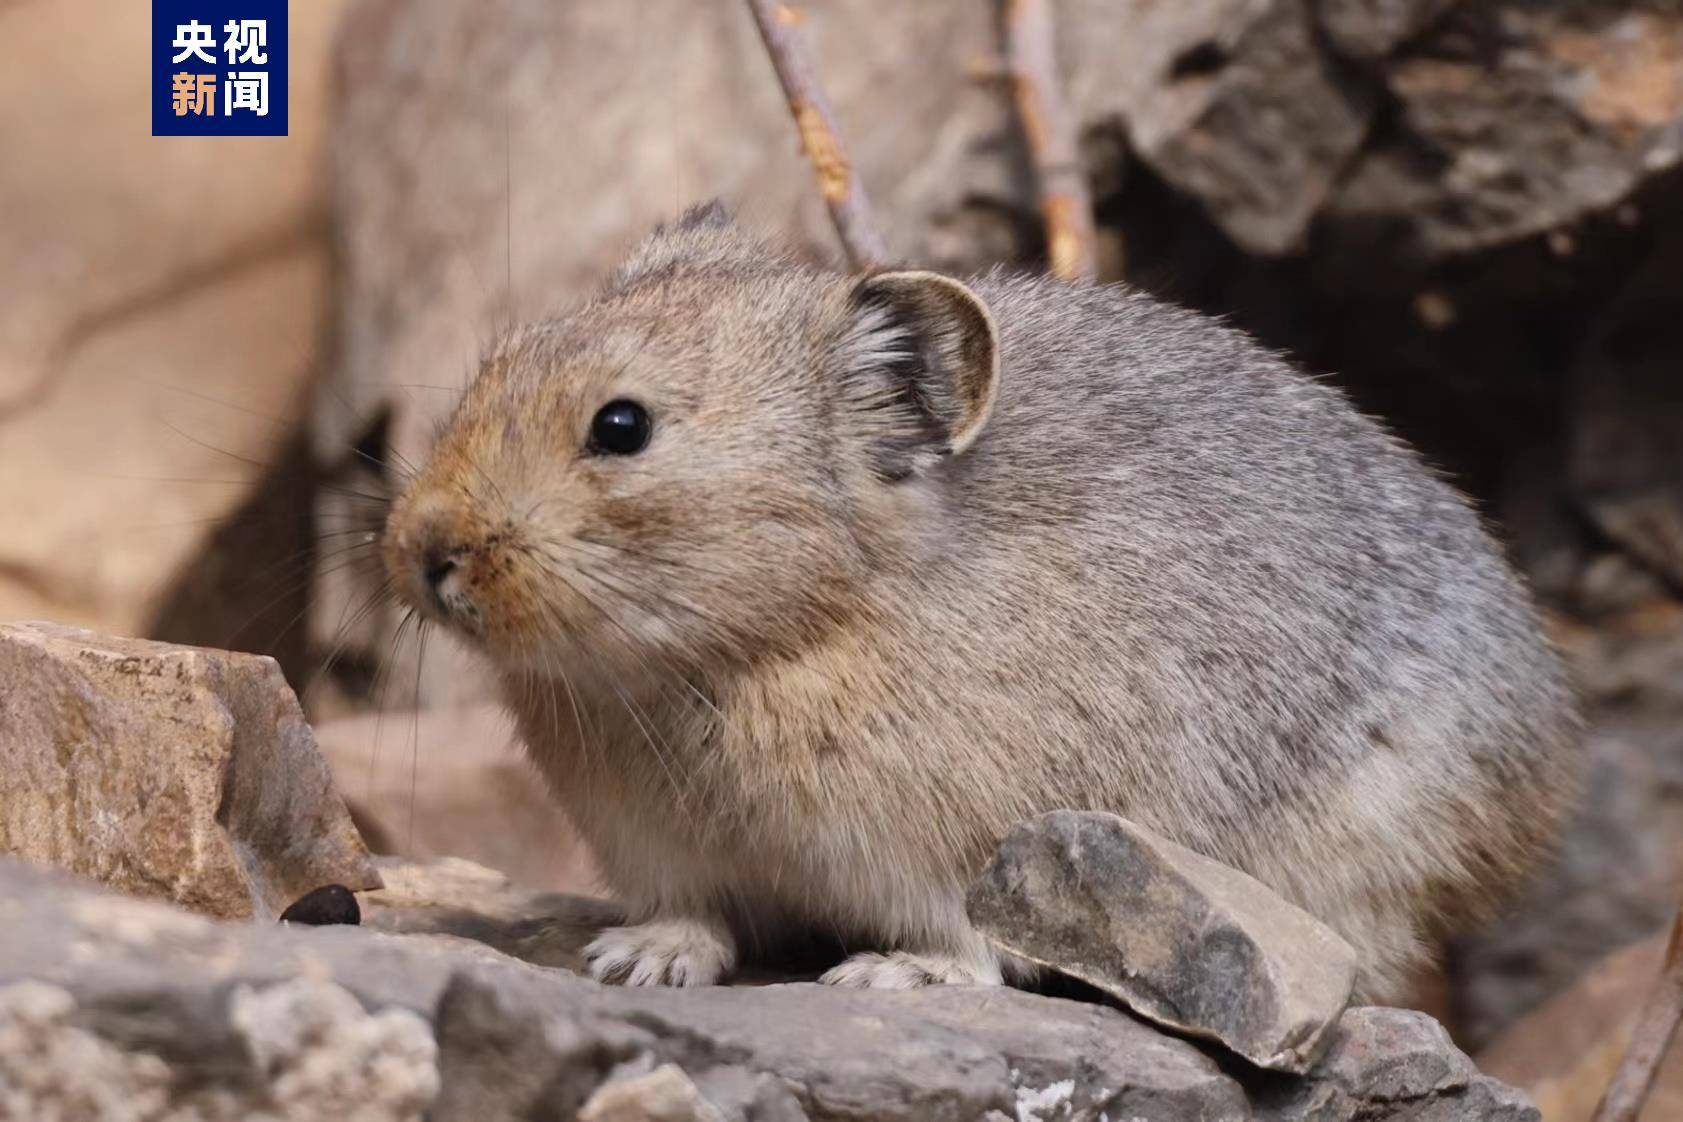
804,587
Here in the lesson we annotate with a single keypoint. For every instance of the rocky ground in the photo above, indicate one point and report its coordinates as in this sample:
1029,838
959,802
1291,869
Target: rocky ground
112,1008
188,776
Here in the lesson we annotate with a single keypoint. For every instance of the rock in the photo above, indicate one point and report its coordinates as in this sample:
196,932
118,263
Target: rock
1502,121
238,590
1512,119
1230,101
166,771
177,1012
1183,940
159,307
1371,29
454,782
1616,877
457,899
1394,1057
308,1051
321,1055
1627,420
1564,1052
665,1094
946,1051
52,1068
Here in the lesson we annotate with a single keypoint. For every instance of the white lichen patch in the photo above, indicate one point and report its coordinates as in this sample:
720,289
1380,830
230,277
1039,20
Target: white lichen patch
1045,1103
324,1056
318,1054
52,1070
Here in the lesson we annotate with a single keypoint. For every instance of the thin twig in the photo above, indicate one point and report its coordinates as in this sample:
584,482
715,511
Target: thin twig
1655,1029
1031,65
780,28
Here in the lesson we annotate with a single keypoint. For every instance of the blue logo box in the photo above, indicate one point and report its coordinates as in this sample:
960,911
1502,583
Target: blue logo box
219,67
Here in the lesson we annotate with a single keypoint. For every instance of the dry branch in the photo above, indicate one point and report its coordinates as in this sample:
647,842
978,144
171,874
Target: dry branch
780,28
1655,1028
1031,65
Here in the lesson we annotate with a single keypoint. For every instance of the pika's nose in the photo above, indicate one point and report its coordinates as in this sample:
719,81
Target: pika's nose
436,567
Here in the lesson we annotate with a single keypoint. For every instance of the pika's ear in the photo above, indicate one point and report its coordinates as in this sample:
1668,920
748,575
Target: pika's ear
712,213
921,356
703,236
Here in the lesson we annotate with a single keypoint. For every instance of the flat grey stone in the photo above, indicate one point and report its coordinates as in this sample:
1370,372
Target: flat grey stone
1180,939
117,1008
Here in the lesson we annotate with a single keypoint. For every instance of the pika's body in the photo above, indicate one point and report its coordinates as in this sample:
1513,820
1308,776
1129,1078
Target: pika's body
903,560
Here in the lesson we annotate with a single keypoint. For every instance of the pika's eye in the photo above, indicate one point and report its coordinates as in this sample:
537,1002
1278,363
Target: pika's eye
621,428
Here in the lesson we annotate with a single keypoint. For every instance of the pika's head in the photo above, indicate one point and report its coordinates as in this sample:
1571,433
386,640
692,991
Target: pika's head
699,466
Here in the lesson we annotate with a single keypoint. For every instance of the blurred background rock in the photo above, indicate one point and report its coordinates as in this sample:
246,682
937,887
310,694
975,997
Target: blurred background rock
1469,215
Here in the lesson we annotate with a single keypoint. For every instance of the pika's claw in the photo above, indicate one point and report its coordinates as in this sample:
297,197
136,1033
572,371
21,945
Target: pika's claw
902,970
674,952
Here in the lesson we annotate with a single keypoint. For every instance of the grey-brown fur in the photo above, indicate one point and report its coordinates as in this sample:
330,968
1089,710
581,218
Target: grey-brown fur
799,665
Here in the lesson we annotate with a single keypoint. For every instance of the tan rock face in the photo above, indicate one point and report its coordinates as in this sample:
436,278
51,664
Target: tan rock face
175,772
1564,1053
128,264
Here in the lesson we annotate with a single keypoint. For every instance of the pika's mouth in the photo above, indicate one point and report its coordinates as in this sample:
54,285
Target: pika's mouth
432,566
444,583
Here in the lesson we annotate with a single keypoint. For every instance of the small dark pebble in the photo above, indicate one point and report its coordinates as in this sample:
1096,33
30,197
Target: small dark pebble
331,903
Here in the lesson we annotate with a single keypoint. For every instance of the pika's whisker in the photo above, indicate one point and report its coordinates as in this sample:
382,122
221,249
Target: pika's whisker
383,681
637,718
342,633
415,735
306,570
665,561
558,551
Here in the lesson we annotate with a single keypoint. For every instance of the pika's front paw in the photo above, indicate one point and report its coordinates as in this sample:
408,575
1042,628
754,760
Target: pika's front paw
672,952
905,971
